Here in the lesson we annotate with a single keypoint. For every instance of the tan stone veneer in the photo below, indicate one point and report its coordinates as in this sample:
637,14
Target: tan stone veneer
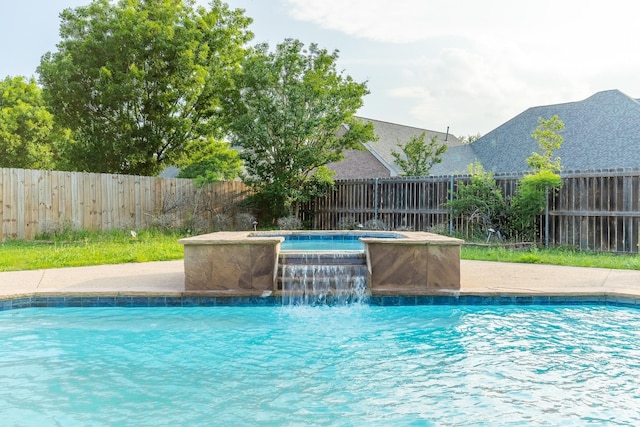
231,261
418,263
246,263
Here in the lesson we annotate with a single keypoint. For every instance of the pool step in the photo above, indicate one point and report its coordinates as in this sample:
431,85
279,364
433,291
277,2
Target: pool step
322,258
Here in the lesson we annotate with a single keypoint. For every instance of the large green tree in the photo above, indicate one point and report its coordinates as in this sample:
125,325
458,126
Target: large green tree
28,134
138,80
416,157
294,115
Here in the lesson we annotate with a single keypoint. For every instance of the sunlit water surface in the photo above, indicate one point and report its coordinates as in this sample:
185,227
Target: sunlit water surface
343,366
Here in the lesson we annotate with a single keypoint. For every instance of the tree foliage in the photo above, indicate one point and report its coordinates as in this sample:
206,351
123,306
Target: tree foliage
531,198
417,156
549,140
469,138
138,80
294,115
218,162
530,201
28,134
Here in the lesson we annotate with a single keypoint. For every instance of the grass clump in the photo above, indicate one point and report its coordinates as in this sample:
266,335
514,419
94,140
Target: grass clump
69,248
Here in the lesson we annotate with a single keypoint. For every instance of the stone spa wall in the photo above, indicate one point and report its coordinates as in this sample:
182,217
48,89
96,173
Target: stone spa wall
246,262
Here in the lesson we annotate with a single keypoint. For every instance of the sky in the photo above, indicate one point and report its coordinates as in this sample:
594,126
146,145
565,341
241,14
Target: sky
466,65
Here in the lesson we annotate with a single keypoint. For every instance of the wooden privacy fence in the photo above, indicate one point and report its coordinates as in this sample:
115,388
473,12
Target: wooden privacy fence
594,210
36,201
400,203
597,211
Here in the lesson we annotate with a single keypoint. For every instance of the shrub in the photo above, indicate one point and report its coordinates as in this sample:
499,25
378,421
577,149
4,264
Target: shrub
347,223
440,228
481,202
289,223
530,201
221,221
245,221
375,224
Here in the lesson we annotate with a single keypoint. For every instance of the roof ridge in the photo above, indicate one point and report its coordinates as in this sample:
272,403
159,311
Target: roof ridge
399,124
599,93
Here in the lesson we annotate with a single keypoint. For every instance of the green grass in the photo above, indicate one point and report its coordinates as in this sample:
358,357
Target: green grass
553,256
79,248
70,248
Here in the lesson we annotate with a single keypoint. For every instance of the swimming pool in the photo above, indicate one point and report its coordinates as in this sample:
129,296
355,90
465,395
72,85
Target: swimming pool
357,365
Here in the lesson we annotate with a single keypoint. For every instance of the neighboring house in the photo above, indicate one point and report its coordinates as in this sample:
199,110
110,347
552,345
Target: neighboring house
170,172
376,160
601,132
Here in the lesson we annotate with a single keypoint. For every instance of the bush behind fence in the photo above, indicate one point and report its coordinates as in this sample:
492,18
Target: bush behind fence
36,201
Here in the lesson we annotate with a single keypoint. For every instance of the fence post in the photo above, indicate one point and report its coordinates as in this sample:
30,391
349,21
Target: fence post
546,217
450,199
375,200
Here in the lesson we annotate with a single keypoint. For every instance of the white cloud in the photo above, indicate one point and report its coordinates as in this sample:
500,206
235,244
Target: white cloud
476,89
589,22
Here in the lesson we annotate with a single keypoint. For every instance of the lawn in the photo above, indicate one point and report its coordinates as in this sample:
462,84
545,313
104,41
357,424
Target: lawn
553,256
72,249
79,248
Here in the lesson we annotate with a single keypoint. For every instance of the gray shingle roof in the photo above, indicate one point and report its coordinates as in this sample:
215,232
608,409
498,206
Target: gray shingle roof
601,132
358,164
455,161
376,161
390,135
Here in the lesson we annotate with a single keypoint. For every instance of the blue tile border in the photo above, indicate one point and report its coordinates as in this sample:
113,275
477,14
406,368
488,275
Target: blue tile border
256,301
609,300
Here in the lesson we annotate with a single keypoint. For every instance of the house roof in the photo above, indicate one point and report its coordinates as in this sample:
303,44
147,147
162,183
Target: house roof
455,161
391,135
377,161
601,132
358,164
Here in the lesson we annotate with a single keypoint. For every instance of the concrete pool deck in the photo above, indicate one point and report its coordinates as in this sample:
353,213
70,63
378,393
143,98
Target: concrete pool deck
167,278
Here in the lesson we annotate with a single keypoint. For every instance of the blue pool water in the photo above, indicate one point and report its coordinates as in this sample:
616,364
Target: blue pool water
343,366
322,243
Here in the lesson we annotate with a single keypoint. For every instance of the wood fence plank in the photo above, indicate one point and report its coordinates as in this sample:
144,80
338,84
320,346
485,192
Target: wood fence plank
8,204
52,200
21,203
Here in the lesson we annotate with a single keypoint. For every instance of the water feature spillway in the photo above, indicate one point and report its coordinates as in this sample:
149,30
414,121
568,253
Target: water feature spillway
318,278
